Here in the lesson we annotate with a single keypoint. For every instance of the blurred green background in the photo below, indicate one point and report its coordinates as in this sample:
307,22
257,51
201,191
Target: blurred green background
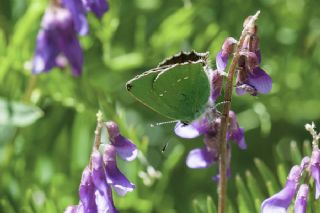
47,121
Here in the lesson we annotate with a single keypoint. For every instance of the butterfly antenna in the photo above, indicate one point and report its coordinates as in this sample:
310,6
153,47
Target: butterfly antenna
162,123
164,148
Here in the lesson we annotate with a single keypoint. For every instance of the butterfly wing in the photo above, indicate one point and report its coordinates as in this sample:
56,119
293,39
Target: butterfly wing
178,91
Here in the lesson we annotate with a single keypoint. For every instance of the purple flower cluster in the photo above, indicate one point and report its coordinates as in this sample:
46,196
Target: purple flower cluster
102,174
57,40
309,168
250,79
208,125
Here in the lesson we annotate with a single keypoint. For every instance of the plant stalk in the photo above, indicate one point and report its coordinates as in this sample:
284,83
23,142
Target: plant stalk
97,132
224,119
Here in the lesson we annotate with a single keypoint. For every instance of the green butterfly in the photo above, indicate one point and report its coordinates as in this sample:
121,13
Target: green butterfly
178,88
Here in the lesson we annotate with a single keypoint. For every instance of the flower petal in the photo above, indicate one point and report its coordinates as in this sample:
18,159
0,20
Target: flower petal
258,54
216,178
238,137
201,158
193,130
280,201
87,192
305,162
235,132
71,209
103,192
114,176
245,88
73,52
221,61
125,148
315,170
300,205
46,52
186,131
77,10
216,84
260,80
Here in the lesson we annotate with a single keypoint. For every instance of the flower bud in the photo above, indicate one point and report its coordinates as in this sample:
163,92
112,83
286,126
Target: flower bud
252,29
300,205
228,46
250,60
251,43
113,129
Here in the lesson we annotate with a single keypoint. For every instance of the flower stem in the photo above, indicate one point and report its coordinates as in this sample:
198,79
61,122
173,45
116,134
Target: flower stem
97,132
30,87
225,116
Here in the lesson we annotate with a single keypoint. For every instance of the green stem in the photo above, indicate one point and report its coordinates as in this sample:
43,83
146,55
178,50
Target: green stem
97,132
30,87
224,119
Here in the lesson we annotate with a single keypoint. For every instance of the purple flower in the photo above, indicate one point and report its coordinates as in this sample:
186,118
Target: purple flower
315,169
57,37
98,7
300,205
251,78
209,125
114,176
216,178
124,147
281,201
225,52
256,81
74,209
102,173
94,191
209,128
201,158
78,14
251,44
235,132
216,84
87,191
103,191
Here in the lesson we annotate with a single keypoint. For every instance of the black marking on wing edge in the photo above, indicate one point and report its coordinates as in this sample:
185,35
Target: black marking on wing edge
129,86
186,57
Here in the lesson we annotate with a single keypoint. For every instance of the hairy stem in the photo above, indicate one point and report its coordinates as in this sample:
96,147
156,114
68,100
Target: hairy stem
97,132
225,120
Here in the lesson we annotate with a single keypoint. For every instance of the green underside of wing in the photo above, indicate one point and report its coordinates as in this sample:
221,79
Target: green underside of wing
180,93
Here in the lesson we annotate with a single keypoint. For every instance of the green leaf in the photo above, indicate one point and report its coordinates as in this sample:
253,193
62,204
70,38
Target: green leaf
211,206
267,175
307,148
18,114
196,206
282,173
22,30
167,37
5,206
230,207
244,199
126,61
254,189
82,140
295,153
50,207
